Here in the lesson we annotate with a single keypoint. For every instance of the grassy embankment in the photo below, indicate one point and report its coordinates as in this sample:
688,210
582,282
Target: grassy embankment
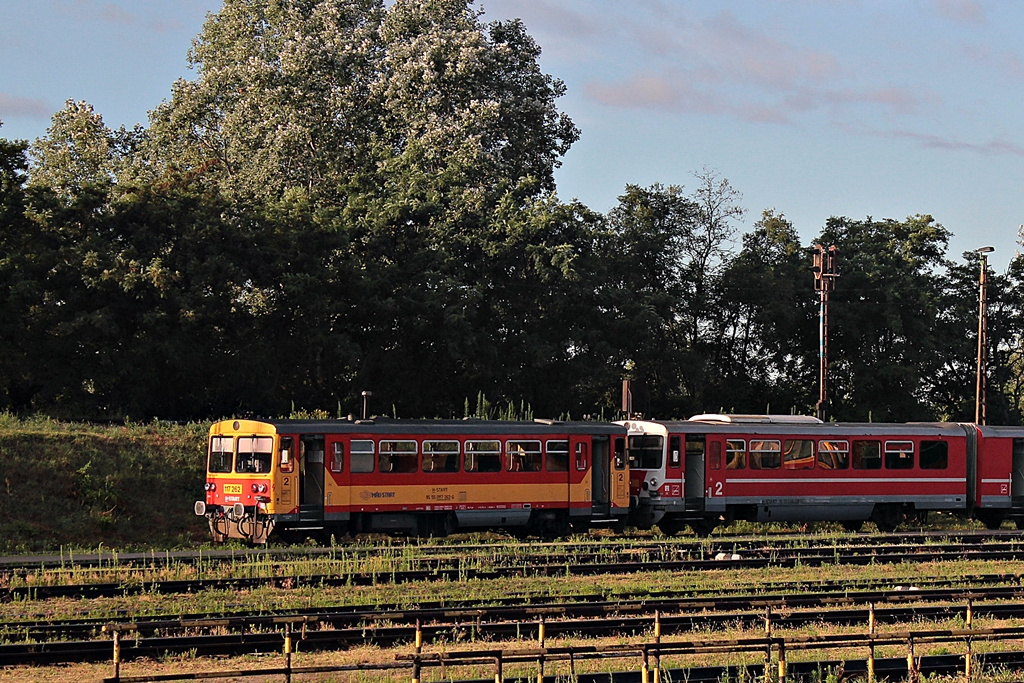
127,486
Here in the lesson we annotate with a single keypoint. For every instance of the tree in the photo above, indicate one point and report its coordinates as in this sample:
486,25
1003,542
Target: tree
281,102
885,342
766,359
405,158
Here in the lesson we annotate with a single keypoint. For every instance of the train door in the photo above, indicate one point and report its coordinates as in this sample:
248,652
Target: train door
337,483
311,476
601,479
581,464
620,474
674,473
695,449
1017,480
286,493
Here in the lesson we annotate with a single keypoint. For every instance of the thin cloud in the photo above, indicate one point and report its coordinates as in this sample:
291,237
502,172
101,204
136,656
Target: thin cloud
28,107
1007,62
930,141
118,15
961,11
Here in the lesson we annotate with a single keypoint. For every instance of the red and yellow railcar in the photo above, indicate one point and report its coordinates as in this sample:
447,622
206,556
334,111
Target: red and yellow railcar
425,477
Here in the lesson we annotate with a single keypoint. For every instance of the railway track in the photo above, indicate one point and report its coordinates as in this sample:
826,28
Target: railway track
441,555
81,640
524,567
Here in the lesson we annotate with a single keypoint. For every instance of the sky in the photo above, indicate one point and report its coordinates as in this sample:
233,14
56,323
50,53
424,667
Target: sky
812,108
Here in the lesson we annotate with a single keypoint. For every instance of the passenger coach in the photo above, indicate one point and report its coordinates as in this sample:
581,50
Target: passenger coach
425,477
713,469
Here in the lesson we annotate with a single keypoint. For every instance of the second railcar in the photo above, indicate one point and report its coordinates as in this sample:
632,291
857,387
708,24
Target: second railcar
713,469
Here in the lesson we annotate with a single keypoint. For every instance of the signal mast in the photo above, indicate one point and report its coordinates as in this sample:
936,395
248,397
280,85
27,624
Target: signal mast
825,274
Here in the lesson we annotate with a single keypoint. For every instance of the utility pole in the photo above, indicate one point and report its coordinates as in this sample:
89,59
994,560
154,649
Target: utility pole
825,274
982,370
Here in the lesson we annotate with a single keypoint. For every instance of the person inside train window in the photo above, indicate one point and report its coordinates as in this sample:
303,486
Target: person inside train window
523,456
736,454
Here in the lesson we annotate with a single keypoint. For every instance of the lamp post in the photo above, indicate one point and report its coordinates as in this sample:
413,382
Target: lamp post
979,396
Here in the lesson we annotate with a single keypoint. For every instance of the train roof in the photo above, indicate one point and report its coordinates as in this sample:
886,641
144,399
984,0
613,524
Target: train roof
789,424
384,425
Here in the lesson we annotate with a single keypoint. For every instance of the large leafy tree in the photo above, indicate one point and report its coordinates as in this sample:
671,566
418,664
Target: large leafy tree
17,290
281,102
885,340
766,328
405,157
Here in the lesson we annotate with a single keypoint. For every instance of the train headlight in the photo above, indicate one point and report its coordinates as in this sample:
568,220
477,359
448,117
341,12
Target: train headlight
209,486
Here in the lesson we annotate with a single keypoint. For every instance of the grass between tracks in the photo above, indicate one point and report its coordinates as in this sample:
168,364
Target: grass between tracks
482,591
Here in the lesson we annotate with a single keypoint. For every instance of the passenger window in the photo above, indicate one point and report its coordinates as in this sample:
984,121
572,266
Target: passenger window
399,457
765,455
934,455
523,456
361,454
338,457
867,455
221,454
483,456
735,454
833,455
440,456
798,454
899,455
285,454
556,456
254,454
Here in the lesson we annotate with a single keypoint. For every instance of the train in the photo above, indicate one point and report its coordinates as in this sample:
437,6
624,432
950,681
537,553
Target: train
548,478
319,478
713,469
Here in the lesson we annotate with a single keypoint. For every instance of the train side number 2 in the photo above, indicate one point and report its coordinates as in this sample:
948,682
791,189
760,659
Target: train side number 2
715,490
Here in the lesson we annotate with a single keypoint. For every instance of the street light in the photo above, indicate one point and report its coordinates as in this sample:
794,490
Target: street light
979,396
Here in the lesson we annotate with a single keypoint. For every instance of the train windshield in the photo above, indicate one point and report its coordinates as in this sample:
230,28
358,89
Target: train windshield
254,454
646,451
221,454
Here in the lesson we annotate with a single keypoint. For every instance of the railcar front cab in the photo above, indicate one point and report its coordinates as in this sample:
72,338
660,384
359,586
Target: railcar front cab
242,474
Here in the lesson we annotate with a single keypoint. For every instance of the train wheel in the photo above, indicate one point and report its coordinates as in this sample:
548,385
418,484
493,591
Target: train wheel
670,526
852,524
991,520
703,527
887,517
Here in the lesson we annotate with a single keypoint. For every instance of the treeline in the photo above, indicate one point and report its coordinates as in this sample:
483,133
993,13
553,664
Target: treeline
356,197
